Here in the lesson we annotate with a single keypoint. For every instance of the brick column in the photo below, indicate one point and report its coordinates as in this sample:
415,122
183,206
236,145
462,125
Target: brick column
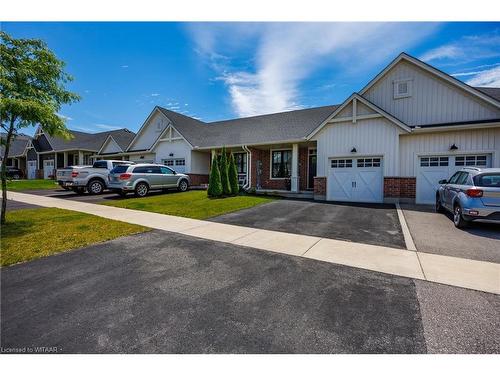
320,188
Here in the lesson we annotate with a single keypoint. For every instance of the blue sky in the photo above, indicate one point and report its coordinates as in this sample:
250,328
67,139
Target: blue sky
215,71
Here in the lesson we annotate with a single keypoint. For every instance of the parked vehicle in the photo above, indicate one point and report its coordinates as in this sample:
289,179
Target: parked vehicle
14,173
471,194
141,178
92,179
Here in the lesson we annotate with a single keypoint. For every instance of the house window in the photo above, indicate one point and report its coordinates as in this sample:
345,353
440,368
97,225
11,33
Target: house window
241,162
434,161
281,164
402,88
341,163
471,160
368,163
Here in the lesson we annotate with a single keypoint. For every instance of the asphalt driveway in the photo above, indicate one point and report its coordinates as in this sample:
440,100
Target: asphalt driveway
435,233
165,293
374,224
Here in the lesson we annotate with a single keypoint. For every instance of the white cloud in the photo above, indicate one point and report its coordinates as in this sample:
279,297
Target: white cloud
64,117
466,49
108,127
486,78
285,54
124,66
155,94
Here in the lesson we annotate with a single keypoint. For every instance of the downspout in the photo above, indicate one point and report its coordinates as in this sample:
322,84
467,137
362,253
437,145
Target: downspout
248,184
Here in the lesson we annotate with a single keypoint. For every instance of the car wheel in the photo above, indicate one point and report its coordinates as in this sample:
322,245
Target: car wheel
141,190
183,185
95,187
439,206
458,218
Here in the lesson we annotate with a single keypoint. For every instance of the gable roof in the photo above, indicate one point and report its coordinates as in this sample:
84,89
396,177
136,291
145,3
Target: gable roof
366,102
494,92
429,68
90,141
271,128
17,146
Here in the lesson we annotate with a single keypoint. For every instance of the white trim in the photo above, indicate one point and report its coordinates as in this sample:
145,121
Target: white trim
271,163
432,70
430,128
169,128
354,110
301,140
39,132
358,118
106,141
155,109
369,105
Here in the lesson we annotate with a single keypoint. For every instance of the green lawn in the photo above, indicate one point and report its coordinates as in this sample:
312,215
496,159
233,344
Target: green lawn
35,233
193,204
18,185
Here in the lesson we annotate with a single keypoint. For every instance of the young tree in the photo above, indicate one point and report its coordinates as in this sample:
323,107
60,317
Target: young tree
214,182
224,177
233,175
32,83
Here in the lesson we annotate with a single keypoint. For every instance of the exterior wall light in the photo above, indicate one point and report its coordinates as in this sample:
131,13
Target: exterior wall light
354,150
453,147
171,154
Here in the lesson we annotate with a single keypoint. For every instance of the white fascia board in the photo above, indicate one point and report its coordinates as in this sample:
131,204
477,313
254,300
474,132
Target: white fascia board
430,69
434,129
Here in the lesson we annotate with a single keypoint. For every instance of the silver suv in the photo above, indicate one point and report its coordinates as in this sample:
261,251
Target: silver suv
141,178
471,194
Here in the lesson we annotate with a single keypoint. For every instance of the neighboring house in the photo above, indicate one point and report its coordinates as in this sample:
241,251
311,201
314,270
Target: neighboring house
41,155
409,127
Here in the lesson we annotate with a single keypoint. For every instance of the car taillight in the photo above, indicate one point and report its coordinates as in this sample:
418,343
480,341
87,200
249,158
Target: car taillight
474,193
74,174
125,176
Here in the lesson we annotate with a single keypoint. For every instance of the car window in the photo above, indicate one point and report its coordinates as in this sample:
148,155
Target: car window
147,169
100,164
140,169
119,169
116,163
488,180
454,178
462,179
165,170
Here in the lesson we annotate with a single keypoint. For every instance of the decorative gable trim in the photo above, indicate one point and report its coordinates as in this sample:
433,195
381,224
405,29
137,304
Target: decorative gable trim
108,139
446,77
354,98
168,135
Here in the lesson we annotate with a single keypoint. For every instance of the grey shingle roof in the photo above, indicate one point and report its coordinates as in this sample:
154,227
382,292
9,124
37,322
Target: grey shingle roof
272,128
91,141
17,146
494,92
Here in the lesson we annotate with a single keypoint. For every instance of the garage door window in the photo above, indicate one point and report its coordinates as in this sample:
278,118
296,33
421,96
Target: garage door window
471,160
434,161
341,163
180,162
368,163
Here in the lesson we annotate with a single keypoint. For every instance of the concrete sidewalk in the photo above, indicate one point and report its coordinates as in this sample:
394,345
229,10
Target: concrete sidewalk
472,274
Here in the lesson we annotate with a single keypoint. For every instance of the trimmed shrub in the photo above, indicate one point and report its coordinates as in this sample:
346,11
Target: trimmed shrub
233,175
224,177
214,181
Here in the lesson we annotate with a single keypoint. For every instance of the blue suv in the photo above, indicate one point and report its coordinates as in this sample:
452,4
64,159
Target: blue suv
471,194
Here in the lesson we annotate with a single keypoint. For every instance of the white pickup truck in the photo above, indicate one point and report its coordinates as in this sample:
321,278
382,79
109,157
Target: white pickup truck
92,179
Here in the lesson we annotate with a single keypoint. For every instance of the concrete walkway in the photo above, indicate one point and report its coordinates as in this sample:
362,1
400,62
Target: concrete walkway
472,274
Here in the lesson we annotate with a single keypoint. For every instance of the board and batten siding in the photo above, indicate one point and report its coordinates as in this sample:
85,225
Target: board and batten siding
150,132
411,146
432,99
371,137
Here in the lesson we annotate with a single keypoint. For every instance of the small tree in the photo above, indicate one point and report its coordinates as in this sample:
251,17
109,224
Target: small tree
214,182
32,86
233,175
224,177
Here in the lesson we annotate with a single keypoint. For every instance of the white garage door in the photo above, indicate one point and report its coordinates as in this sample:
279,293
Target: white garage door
48,168
31,169
355,180
178,165
431,169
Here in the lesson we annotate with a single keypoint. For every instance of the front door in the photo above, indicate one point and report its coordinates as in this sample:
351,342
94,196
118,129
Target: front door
311,169
48,168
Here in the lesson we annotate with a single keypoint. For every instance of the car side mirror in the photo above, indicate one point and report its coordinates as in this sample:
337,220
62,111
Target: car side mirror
442,182
175,172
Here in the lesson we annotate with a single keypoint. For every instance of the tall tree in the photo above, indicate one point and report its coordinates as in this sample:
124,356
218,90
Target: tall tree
214,183
32,86
224,177
233,175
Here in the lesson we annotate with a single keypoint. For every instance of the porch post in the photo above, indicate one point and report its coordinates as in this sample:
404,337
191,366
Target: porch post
65,159
295,168
80,157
